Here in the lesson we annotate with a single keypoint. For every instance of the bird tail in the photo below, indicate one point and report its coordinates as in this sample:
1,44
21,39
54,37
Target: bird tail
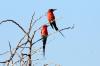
44,50
44,44
55,26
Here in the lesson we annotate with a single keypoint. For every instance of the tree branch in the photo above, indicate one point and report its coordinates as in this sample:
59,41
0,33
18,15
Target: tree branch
4,53
53,33
8,20
10,48
30,27
12,55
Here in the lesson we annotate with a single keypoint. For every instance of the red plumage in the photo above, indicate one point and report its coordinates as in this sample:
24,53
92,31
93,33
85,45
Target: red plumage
51,20
44,31
44,34
50,15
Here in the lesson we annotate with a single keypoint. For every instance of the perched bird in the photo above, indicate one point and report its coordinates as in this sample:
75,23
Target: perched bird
51,19
44,35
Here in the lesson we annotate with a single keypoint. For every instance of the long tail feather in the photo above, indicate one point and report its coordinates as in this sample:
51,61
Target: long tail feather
44,51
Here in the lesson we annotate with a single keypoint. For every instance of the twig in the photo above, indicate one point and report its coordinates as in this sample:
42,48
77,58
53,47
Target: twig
4,53
8,20
14,51
38,19
30,27
10,48
53,33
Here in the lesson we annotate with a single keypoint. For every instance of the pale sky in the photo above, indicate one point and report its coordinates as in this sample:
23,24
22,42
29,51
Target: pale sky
80,47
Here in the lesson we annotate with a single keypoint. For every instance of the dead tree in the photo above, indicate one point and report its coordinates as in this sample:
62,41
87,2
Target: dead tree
25,59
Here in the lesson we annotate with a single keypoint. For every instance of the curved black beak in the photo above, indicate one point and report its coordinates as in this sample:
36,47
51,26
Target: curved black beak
54,9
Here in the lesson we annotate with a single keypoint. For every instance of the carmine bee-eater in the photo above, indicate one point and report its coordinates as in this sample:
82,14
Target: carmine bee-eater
51,19
44,35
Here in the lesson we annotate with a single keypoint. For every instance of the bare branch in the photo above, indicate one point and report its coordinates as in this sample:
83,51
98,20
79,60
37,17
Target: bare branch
24,47
15,24
29,40
53,33
16,48
23,44
12,55
30,27
4,53
37,50
10,48
32,23
37,41
38,19
3,62
68,28
27,55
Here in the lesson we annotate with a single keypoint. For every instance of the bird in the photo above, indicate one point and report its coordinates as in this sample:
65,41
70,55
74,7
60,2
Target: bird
44,35
51,19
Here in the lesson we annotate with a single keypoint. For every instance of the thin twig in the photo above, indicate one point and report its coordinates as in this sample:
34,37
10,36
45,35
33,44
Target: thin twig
30,27
4,53
53,33
14,51
8,20
10,47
